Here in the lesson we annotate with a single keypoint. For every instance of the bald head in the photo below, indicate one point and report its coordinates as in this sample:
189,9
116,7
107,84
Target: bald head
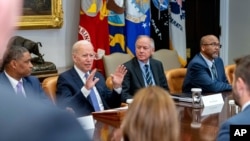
210,46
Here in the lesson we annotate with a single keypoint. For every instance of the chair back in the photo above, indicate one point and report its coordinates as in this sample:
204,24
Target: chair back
175,78
109,83
169,58
49,86
229,70
113,60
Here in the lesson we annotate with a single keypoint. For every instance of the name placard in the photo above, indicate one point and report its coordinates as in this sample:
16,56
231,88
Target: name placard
214,99
212,109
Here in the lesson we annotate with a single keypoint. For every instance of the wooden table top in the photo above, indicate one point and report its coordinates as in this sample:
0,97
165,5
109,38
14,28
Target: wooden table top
194,126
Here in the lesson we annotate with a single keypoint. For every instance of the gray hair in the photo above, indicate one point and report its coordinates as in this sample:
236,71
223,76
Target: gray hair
152,43
14,53
78,44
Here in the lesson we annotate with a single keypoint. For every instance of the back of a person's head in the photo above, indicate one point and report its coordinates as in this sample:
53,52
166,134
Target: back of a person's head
151,116
243,69
29,120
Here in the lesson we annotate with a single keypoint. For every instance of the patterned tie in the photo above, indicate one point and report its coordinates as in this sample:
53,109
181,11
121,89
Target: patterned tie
214,72
19,87
92,97
148,75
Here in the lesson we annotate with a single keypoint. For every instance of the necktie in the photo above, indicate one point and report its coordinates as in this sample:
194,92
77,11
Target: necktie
19,87
92,97
214,72
148,75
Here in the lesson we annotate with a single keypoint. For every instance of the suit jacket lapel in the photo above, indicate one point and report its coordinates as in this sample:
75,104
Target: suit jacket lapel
204,63
76,78
138,72
5,84
154,69
27,88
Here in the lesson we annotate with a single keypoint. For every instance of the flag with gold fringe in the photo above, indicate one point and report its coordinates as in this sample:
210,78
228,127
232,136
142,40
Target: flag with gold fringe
177,29
93,26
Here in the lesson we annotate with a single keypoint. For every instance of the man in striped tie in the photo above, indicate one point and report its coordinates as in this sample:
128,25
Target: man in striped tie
143,71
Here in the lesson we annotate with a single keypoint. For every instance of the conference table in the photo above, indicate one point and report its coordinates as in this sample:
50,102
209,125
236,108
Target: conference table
195,125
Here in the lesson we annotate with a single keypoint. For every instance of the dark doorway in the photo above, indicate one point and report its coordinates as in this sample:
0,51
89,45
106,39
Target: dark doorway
202,17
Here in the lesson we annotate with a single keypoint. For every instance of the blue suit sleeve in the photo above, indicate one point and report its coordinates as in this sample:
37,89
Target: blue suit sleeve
201,78
224,133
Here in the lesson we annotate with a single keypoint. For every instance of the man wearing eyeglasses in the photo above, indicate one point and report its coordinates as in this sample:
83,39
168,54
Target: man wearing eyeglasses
206,69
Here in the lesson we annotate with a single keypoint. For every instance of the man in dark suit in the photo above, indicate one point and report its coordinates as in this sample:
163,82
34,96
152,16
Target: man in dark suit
142,69
25,119
206,69
17,68
30,120
77,86
241,95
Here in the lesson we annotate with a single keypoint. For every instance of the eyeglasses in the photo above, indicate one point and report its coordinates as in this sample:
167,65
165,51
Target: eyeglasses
213,45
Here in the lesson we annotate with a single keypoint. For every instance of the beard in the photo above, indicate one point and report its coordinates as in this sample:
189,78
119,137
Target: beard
236,97
215,55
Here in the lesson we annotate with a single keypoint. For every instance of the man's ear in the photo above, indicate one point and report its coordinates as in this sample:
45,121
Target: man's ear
202,48
13,64
240,85
74,57
153,50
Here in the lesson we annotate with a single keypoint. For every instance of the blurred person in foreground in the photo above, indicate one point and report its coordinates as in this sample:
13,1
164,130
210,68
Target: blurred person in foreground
241,95
206,69
143,70
152,116
25,119
83,89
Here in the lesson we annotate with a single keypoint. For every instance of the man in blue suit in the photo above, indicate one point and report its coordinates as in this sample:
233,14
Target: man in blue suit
206,69
77,86
241,95
17,68
24,119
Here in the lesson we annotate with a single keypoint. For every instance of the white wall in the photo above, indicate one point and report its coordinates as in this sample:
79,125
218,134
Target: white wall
57,43
239,29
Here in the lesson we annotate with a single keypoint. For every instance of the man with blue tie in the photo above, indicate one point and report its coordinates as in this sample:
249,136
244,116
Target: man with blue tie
24,119
85,90
142,69
206,69
17,68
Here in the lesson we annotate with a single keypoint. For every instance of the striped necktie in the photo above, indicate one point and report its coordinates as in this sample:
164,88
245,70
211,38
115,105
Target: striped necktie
214,72
92,97
148,75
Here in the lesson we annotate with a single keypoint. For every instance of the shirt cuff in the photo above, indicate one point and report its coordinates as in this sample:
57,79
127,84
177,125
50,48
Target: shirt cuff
85,92
118,90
